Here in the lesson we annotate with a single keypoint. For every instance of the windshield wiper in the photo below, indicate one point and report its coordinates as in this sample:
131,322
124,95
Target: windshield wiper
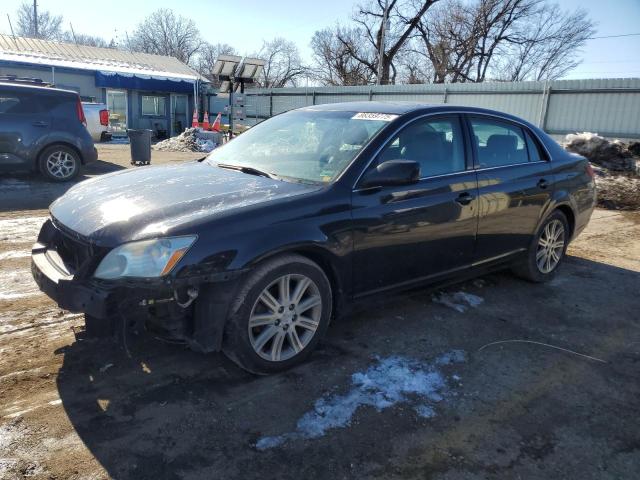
248,170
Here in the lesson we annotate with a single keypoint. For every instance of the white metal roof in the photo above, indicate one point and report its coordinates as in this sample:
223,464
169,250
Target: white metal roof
106,60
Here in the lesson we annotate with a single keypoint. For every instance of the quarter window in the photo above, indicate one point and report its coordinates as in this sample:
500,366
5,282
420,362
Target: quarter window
153,106
498,143
435,143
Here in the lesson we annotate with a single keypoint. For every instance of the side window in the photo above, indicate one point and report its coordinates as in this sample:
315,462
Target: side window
18,103
498,143
435,143
8,102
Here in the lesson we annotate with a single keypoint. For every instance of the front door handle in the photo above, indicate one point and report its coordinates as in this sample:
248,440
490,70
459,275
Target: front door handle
40,124
542,183
464,198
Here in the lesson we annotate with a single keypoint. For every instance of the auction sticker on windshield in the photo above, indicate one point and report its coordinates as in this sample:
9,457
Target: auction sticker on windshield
385,117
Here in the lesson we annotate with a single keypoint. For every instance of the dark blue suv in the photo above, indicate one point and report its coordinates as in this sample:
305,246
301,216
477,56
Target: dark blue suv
43,129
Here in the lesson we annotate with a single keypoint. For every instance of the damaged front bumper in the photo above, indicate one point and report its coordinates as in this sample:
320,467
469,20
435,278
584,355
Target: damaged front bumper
193,309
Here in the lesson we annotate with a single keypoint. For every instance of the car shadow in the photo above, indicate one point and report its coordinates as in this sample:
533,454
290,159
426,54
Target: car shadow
30,191
162,411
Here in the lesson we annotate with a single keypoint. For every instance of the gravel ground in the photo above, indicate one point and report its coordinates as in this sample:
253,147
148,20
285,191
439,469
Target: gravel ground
402,388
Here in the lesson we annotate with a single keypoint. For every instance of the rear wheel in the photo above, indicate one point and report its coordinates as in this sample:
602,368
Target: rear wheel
279,315
546,250
59,163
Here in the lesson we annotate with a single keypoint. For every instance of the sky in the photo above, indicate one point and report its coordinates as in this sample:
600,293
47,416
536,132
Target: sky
246,26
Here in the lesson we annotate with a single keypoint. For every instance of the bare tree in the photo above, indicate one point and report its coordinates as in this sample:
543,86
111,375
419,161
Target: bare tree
207,56
283,65
334,64
88,40
49,25
166,33
501,39
403,18
547,47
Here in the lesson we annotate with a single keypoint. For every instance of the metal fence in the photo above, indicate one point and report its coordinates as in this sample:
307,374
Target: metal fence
609,107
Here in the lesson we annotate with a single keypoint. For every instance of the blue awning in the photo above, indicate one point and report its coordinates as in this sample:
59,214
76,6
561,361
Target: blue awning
134,82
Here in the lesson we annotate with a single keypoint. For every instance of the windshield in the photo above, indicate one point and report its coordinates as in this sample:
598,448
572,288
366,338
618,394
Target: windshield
303,145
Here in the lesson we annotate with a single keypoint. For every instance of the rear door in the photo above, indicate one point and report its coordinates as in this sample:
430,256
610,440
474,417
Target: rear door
404,234
514,183
24,125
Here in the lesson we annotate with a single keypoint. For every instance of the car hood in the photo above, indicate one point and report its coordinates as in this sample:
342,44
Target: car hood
150,201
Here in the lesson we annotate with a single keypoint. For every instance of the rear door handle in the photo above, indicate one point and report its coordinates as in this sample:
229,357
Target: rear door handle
542,183
464,198
40,124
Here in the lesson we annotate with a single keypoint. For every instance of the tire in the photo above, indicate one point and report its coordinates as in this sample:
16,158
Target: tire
59,163
535,267
279,337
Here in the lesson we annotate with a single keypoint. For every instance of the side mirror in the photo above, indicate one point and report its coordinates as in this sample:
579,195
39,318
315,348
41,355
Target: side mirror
392,172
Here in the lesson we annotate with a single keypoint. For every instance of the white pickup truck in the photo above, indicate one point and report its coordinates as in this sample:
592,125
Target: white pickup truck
97,116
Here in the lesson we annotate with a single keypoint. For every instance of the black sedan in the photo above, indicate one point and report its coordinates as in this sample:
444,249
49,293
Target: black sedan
255,249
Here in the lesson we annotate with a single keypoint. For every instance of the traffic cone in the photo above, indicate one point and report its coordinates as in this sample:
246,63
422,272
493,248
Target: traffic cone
216,123
205,121
194,122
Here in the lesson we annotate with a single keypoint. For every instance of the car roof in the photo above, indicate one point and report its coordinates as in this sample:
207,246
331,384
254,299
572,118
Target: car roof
401,108
40,88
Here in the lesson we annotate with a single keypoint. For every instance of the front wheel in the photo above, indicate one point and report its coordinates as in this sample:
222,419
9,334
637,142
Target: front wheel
279,315
546,250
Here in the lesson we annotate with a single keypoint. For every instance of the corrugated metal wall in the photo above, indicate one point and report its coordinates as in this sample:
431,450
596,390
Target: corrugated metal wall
610,107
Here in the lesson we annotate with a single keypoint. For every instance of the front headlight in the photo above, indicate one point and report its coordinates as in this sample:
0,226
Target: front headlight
147,258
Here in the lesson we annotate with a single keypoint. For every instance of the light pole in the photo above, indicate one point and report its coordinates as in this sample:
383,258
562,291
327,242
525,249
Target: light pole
35,17
383,29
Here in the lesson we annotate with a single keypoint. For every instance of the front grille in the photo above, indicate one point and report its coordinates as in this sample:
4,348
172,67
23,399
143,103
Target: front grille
73,252
76,252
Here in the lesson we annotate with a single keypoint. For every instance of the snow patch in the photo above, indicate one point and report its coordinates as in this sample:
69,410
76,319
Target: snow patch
21,230
13,254
390,381
459,301
17,284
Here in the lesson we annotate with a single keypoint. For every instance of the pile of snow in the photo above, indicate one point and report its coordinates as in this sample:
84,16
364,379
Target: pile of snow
617,168
390,381
610,154
187,141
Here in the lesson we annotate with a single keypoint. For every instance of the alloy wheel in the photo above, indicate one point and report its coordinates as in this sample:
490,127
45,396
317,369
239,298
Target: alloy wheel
550,246
285,317
61,164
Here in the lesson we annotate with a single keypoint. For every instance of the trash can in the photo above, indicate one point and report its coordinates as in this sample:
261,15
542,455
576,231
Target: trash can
140,141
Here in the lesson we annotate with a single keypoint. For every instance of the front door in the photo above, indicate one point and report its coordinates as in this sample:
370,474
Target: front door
117,106
409,233
515,183
179,117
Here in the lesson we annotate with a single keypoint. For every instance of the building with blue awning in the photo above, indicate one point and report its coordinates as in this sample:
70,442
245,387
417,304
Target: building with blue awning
141,90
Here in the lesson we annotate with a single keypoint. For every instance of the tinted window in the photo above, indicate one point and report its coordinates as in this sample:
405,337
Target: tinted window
8,102
499,143
435,143
18,103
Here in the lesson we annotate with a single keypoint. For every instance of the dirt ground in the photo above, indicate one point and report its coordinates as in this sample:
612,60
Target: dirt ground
404,388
